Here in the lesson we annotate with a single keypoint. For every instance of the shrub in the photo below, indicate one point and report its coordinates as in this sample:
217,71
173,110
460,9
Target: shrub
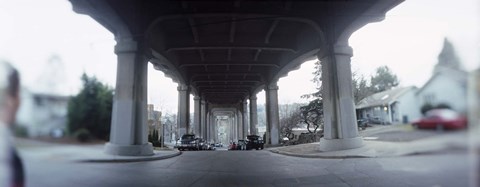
21,131
82,135
426,107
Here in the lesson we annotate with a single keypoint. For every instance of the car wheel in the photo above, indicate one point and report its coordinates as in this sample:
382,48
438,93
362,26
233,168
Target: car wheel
257,148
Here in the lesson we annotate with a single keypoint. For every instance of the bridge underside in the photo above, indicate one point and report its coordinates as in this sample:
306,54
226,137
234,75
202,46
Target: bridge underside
224,53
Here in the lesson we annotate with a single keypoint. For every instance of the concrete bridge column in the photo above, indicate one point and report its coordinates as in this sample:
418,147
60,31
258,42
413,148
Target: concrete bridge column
245,118
207,125
231,127
196,116
341,130
235,129
253,115
273,118
183,113
128,134
203,119
240,134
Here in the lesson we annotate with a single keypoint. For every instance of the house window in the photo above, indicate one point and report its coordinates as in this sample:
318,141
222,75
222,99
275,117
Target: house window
429,98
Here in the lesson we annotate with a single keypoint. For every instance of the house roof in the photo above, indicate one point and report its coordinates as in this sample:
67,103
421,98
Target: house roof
384,98
459,76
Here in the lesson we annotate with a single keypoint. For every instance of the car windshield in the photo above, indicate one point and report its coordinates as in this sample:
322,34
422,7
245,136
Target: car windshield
184,137
445,114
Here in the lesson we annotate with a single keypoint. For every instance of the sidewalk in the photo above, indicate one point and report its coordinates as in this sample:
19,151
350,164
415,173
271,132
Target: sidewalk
82,153
449,141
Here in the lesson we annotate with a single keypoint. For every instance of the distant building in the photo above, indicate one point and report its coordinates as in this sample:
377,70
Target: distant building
43,114
447,86
153,120
398,105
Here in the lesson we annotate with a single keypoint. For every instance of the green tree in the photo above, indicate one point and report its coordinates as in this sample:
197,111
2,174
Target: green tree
361,89
91,108
384,79
312,115
290,120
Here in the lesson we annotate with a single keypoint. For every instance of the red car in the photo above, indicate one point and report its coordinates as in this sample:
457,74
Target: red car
441,119
232,146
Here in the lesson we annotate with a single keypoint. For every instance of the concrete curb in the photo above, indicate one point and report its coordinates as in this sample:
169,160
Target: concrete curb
319,156
132,158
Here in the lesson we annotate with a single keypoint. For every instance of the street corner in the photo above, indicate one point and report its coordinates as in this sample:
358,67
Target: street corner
312,151
101,157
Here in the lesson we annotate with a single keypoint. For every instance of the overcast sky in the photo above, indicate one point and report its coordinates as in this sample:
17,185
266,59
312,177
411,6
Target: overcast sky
408,41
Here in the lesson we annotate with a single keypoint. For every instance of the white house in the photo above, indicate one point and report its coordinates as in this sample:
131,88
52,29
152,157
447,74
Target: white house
42,114
398,105
446,86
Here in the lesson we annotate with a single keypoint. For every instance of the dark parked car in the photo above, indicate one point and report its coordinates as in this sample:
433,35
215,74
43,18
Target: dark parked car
254,142
242,145
189,142
362,123
441,119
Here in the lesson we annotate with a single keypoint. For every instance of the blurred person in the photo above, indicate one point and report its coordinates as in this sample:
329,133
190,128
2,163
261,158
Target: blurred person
11,167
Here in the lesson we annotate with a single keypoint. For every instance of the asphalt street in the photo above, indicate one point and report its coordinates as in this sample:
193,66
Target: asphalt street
252,168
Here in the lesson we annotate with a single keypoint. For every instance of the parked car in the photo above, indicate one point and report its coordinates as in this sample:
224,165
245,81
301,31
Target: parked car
212,147
441,119
203,145
254,142
242,145
189,142
232,146
362,123
375,120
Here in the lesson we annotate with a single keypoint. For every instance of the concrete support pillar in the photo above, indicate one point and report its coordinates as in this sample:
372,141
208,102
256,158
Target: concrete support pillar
208,124
215,130
231,127
340,131
245,118
183,114
128,134
213,122
273,119
253,115
235,129
203,119
240,134
267,120
196,116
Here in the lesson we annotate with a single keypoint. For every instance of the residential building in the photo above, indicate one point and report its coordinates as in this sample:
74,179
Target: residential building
43,114
153,120
398,105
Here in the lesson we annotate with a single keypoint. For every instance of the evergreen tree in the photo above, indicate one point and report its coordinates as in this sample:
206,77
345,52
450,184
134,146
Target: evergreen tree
91,109
383,80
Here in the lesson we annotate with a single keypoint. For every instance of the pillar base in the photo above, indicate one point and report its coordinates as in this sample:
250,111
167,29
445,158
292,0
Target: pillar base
340,144
129,150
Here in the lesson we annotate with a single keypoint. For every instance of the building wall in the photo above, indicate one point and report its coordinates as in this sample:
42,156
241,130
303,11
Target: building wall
444,89
40,114
403,110
408,107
